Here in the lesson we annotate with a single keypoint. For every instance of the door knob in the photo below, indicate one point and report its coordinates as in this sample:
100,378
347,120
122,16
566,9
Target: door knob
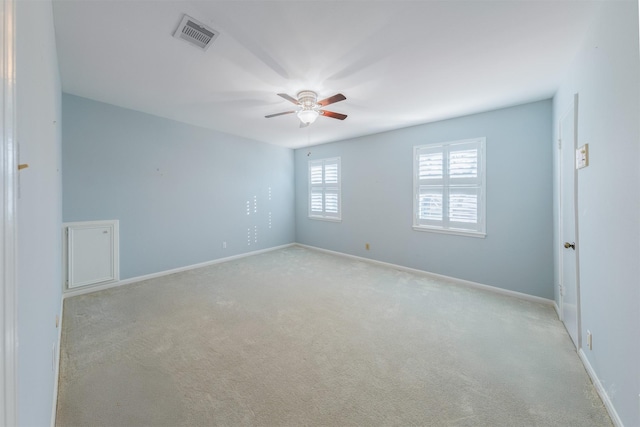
568,245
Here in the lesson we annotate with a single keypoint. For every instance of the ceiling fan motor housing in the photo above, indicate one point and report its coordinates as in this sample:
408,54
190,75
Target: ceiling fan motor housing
308,100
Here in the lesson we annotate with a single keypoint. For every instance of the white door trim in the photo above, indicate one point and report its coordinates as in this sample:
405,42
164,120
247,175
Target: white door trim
8,226
576,106
558,241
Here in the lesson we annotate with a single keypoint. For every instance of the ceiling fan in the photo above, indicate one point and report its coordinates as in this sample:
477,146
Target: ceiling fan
309,108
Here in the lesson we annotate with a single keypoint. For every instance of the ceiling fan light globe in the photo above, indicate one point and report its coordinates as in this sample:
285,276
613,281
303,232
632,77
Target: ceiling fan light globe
308,116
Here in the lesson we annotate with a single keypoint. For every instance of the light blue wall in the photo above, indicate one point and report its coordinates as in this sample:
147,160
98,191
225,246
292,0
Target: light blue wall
605,74
377,191
39,209
178,190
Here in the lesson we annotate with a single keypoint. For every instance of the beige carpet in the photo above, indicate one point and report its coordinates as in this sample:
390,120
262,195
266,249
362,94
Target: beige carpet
297,337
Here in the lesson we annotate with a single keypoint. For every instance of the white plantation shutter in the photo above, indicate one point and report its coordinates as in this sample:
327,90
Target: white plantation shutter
430,200
331,202
463,164
324,189
431,165
316,202
315,174
330,173
449,187
463,205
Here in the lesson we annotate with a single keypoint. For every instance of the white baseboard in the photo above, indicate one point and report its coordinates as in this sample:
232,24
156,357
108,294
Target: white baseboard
95,288
600,389
555,305
463,282
56,374
90,289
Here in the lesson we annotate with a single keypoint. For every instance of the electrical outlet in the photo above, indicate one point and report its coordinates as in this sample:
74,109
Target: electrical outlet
366,246
57,320
224,245
589,340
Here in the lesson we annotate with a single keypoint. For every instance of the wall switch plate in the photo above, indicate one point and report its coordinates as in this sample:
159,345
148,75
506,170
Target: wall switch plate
582,156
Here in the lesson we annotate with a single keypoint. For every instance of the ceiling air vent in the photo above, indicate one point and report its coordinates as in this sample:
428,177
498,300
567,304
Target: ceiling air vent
195,32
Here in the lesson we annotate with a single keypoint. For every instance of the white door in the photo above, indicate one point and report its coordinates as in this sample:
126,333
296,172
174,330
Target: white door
569,290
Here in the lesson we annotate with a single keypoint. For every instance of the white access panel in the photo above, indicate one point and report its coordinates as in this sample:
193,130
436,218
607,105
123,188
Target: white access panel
92,253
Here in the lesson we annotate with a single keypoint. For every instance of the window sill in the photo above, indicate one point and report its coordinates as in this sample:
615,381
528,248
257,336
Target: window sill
322,218
476,234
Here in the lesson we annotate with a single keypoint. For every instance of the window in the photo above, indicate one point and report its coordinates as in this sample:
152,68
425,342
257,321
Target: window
449,187
324,189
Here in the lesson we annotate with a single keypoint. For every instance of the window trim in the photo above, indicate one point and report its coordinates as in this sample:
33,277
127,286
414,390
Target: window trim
334,187
482,232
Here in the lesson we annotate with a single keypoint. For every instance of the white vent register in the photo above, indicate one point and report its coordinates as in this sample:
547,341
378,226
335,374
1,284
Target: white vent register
195,32
91,253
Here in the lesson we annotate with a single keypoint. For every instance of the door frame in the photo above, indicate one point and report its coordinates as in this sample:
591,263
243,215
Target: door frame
8,226
561,213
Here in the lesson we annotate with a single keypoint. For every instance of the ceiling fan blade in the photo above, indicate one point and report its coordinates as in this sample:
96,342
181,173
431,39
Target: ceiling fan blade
278,114
333,115
335,98
289,98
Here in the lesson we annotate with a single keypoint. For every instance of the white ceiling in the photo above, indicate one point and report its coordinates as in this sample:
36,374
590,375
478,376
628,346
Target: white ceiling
399,63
